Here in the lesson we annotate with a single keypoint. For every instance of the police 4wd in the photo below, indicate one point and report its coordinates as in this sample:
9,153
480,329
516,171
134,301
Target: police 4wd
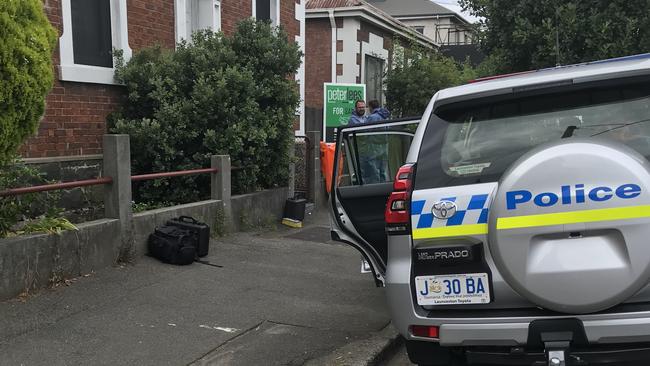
511,223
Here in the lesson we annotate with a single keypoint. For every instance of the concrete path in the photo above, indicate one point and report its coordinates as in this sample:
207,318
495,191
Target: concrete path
265,299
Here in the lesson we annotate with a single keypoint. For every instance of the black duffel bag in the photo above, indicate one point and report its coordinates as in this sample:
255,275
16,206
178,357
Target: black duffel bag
172,245
199,230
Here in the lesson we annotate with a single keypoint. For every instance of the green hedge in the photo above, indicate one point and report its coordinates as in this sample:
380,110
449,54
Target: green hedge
215,95
26,43
410,85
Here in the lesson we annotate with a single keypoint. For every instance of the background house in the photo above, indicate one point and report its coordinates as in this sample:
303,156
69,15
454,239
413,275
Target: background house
85,93
436,22
350,41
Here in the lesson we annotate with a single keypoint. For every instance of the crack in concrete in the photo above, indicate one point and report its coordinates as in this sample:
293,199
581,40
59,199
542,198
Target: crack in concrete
230,340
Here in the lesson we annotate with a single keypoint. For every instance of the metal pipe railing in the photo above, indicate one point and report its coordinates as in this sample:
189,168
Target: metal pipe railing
137,178
56,186
103,180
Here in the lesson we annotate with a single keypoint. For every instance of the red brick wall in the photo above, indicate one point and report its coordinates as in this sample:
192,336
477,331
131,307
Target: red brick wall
151,22
75,113
318,60
288,18
233,11
74,121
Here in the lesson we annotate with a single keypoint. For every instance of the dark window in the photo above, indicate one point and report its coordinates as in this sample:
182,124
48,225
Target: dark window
419,29
91,32
374,78
472,143
263,9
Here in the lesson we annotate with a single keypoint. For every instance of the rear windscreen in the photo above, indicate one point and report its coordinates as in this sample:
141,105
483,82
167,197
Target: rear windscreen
475,143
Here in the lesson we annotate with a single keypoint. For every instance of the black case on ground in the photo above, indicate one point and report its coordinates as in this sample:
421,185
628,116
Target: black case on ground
199,230
172,245
294,209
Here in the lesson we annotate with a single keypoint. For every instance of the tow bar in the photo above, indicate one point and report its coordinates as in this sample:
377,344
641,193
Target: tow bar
557,337
556,347
556,352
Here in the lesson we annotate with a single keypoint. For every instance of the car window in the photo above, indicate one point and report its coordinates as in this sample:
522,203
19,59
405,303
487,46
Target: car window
477,144
372,156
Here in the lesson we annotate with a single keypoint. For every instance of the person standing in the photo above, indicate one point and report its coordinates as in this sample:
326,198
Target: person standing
378,113
358,116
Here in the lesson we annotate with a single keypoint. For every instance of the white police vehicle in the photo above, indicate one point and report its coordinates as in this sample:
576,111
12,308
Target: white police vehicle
512,226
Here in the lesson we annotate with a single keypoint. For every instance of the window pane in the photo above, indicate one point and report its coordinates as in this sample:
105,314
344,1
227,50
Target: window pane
263,9
373,157
374,76
91,32
201,15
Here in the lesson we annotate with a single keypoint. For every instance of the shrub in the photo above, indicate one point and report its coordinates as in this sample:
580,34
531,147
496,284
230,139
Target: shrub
409,87
214,95
27,40
18,208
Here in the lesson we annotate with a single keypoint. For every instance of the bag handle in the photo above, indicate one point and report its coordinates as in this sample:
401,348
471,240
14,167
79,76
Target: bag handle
189,219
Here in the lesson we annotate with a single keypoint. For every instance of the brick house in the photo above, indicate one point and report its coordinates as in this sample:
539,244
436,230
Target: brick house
84,91
350,41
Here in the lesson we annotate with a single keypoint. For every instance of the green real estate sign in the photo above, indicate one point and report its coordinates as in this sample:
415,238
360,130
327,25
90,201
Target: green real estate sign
339,102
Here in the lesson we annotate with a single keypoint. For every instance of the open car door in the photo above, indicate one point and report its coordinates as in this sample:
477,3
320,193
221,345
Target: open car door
366,161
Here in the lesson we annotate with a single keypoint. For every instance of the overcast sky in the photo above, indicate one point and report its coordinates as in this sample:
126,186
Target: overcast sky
453,5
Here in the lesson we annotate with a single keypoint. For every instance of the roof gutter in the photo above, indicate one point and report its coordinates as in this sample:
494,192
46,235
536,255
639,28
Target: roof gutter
334,51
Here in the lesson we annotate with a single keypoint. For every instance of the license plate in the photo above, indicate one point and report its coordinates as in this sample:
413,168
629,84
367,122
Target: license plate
453,289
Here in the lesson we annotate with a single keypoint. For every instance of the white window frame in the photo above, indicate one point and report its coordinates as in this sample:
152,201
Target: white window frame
275,11
180,15
69,71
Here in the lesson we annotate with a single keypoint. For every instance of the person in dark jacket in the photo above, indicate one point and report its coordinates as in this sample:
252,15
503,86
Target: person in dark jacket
378,113
358,116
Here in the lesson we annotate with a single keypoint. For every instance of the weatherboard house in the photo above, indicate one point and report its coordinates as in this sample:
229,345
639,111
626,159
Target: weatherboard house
350,42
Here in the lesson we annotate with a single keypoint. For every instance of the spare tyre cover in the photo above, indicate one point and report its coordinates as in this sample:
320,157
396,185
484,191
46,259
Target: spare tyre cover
569,226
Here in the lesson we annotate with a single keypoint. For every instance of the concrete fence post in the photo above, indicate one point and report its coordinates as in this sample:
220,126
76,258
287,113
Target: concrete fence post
221,188
117,195
315,177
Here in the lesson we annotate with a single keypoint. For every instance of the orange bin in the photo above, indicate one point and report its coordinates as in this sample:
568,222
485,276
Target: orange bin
327,151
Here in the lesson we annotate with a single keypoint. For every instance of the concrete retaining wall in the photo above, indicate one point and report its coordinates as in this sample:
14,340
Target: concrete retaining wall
258,209
31,262
28,263
36,261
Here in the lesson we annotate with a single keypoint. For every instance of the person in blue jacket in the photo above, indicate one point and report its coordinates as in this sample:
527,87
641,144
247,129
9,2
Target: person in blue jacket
373,150
358,116
378,113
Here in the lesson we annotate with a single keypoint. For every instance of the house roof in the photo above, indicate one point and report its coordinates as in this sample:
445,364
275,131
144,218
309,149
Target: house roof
413,8
321,8
326,4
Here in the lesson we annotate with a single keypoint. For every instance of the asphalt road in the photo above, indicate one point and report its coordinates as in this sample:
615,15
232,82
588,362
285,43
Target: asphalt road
266,299
399,358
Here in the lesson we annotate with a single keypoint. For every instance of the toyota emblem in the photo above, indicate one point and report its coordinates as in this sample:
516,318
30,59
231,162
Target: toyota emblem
443,209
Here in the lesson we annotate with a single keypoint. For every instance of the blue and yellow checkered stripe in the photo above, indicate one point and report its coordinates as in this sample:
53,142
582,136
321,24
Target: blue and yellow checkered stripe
470,219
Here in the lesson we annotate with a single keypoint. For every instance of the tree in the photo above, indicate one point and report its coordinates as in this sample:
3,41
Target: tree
27,40
411,84
214,95
531,34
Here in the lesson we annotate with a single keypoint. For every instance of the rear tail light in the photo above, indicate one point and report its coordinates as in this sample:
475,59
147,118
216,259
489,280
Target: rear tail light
397,213
426,331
